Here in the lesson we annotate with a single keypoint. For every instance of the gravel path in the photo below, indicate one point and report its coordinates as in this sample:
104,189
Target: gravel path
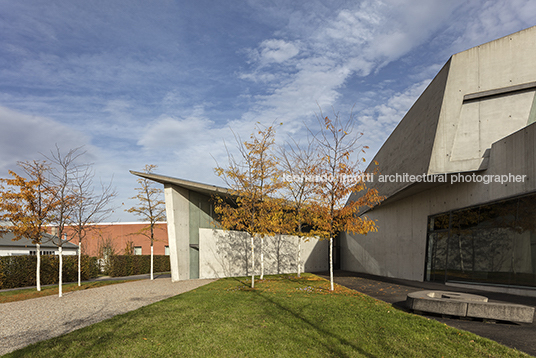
26,322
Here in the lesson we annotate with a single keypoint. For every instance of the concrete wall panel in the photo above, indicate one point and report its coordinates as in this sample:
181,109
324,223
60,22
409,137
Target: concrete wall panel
228,254
177,213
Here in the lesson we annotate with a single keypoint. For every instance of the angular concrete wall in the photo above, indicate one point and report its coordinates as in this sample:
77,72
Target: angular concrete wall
398,248
476,117
499,76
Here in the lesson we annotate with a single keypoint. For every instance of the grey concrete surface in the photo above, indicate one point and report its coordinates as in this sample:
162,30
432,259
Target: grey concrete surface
30,321
501,311
467,305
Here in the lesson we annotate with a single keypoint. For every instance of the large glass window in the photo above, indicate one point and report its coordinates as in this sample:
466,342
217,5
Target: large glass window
492,243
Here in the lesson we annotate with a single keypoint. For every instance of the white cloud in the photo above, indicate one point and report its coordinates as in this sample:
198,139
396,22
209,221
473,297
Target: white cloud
356,41
491,20
24,137
277,51
175,133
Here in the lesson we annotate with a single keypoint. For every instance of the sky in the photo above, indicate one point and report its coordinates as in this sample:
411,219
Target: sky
169,82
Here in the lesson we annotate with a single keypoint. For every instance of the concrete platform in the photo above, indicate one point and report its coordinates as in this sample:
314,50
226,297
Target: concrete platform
467,305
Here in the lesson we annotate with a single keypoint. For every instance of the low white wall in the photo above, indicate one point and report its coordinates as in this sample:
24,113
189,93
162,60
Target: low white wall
228,253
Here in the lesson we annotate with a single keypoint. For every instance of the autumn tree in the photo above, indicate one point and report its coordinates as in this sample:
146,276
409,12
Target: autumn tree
29,204
151,208
339,176
63,173
89,206
253,178
77,205
298,164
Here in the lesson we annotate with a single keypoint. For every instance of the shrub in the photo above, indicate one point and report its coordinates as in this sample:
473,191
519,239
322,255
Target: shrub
19,271
128,265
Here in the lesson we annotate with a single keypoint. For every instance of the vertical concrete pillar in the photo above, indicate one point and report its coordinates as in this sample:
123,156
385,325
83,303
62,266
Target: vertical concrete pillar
178,224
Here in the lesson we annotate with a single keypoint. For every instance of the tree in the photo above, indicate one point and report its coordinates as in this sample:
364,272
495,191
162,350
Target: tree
89,207
340,176
151,207
28,204
59,193
298,165
62,176
77,204
254,181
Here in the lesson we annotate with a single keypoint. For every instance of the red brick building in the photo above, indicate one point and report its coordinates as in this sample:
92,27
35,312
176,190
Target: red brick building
119,236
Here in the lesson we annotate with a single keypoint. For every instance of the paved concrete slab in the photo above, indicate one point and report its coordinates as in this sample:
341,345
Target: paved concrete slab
467,305
501,311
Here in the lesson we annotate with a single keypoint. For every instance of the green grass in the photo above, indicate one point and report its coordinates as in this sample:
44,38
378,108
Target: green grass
27,293
282,317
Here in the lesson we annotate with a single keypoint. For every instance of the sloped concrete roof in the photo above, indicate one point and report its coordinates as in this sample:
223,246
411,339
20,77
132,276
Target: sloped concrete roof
206,189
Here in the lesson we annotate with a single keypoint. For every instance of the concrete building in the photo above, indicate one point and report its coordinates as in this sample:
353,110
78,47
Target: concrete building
459,177
198,249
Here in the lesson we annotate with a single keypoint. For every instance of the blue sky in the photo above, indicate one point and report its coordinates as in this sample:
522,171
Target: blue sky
164,82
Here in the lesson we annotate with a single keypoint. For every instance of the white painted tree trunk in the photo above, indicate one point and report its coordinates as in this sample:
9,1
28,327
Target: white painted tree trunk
252,264
38,270
60,294
331,262
79,260
299,256
262,257
152,275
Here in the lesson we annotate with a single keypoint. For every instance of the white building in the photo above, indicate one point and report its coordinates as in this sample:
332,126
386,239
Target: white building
9,247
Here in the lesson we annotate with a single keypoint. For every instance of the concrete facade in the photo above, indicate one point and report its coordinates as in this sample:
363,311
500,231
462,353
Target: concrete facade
475,118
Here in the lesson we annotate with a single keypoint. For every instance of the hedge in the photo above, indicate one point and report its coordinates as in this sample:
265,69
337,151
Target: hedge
19,271
127,265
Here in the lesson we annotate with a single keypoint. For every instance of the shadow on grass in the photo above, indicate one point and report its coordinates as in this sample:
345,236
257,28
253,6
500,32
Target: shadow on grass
305,282
320,330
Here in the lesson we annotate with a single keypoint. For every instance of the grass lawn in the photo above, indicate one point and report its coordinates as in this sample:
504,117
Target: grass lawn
27,293
282,317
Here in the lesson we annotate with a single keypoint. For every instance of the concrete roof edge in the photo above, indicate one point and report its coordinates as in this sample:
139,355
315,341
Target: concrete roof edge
187,184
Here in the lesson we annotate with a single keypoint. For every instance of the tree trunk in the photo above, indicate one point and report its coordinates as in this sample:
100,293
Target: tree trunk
252,264
152,275
331,262
60,294
299,256
38,270
262,257
79,260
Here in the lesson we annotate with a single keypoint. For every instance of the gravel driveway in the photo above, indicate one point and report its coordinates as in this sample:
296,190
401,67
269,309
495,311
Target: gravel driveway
34,320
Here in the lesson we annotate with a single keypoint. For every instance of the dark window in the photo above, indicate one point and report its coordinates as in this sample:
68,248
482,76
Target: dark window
493,244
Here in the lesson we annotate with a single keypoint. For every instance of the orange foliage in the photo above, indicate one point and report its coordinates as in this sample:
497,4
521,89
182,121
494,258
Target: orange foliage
334,213
254,181
28,204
